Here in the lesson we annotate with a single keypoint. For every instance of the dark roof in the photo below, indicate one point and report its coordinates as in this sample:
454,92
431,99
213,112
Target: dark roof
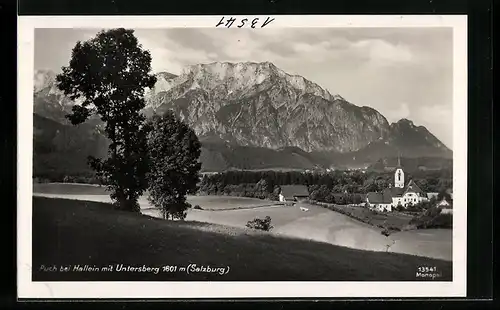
379,198
387,197
394,191
413,187
294,190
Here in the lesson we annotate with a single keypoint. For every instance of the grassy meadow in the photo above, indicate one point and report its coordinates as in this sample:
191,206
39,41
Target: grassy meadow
71,232
318,223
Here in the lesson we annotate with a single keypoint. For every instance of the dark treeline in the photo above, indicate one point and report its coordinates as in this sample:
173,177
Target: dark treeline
328,187
58,177
340,187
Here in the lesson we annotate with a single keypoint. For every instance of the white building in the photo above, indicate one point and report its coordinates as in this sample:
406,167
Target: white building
400,194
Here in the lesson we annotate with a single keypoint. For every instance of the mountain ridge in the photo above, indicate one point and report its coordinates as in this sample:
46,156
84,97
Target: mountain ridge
259,105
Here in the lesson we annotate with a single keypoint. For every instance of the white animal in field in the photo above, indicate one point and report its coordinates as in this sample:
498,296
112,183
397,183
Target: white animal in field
304,209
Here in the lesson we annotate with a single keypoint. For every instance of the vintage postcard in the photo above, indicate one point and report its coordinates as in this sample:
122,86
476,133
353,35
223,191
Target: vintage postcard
242,156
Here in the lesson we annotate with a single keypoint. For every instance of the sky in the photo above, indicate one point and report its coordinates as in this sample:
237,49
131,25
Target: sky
401,72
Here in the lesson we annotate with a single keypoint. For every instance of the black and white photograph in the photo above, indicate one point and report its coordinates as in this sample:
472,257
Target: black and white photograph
241,149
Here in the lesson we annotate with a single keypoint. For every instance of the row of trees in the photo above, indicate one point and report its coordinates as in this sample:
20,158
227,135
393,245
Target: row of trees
109,73
321,184
266,190
48,177
261,189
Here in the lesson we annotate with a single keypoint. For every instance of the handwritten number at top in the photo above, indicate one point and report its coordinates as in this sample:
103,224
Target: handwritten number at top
244,22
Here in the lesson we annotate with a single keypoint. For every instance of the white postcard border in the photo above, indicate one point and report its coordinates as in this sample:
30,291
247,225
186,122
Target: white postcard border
193,290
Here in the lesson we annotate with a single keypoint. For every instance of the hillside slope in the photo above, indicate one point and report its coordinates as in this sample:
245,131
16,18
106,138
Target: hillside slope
67,232
60,150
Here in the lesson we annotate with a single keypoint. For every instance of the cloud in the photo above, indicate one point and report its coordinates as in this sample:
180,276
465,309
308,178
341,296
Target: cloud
380,51
436,111
171,55
301,47
395,114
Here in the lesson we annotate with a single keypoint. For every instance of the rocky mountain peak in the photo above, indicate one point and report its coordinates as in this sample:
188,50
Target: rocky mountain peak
405,122
243,76
260,105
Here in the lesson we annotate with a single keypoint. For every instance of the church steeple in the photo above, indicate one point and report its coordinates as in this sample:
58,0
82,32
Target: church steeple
399,175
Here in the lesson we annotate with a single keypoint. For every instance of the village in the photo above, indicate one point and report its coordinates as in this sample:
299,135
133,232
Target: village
391,201
399,196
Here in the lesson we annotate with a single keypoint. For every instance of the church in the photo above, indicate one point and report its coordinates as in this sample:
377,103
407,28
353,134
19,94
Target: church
399,194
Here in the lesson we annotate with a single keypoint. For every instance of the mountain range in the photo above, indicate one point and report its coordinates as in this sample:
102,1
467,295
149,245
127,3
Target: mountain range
256,116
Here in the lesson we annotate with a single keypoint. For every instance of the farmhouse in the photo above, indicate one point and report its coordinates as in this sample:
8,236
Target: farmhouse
379,201
293,193
399,195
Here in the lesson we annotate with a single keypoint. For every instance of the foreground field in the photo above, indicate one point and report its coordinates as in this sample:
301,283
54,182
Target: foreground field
318,223
323,225
69,232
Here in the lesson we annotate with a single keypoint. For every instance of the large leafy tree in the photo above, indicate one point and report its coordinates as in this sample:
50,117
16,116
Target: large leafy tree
109,74
174,150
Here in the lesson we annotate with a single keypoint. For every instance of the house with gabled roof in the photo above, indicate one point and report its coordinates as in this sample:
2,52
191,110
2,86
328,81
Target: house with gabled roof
293,193
413,194
379,201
